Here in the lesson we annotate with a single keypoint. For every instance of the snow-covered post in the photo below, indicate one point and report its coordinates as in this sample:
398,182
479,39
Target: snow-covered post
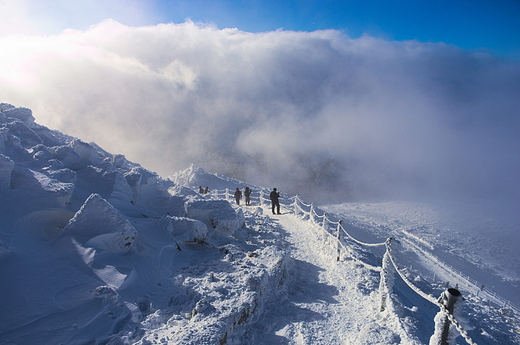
324,224
338,237
311,216
387,278
447,301
261,198
295,205
227,194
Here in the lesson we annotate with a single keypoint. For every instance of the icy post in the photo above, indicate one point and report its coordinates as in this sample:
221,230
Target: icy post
442,320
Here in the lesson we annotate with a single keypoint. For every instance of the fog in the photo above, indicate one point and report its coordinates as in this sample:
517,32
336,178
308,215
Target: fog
316,113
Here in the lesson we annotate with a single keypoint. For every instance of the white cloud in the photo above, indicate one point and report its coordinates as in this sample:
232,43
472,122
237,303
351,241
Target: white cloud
317,113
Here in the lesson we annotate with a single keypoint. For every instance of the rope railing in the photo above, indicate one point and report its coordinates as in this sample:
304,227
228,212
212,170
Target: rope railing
457,325
309,211
424,295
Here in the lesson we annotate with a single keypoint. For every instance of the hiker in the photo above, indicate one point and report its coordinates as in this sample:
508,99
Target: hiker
238,195
247,193
206,191
274,200
201,191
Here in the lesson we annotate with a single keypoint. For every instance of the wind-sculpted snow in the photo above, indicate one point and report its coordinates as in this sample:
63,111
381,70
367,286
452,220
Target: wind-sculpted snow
98,225
97,249
188,229
216,214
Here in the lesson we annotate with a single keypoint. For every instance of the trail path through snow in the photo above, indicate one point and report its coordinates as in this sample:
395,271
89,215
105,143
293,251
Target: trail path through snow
328,302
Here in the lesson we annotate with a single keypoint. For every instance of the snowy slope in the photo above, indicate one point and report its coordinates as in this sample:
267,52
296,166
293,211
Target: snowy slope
475,236
95,249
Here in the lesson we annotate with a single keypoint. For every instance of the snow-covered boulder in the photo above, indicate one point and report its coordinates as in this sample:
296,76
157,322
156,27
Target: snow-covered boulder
99,225
6,169
121,187
150,189
187,229
68,156
41,155
28,138
182,191
216,214
23,114
119,161
63,175
62,191
87,152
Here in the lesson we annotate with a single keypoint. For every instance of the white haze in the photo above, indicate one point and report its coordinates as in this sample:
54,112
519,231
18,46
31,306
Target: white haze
315,113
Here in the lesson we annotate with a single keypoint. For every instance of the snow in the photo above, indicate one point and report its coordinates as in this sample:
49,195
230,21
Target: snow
95,249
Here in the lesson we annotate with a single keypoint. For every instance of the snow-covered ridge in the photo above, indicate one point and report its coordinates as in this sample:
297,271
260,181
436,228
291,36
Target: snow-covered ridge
97,247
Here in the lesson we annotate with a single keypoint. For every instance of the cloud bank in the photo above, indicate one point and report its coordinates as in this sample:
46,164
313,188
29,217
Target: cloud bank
315,113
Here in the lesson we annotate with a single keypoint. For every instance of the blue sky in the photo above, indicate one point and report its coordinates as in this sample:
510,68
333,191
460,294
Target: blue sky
477,24
473,24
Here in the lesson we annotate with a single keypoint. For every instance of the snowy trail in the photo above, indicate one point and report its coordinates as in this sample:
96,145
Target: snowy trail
327,302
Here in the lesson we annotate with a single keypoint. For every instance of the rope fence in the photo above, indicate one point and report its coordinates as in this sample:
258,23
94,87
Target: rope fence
320,218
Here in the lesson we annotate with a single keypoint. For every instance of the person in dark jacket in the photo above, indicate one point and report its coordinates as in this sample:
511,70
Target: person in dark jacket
238,196
247,193
274,200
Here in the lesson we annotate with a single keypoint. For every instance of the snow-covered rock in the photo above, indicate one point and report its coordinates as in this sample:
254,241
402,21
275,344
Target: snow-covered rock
68,156
63,175
187,229
61,190
179,190
23,114
216,214
87,153
26,135
100,225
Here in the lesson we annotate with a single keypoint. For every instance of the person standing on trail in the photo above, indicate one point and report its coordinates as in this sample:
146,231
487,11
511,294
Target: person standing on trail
238,196
274,200
247,193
